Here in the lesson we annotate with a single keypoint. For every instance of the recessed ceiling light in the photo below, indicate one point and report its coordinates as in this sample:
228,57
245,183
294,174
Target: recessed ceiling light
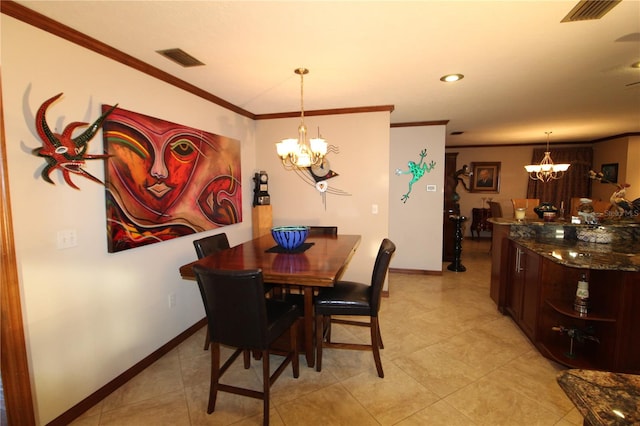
450,78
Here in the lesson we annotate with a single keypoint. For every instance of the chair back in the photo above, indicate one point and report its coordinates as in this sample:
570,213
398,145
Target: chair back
380,269
323,230
496,209
235,305
208,245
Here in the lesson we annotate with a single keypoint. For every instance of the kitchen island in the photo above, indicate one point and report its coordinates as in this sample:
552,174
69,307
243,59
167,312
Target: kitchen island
535,270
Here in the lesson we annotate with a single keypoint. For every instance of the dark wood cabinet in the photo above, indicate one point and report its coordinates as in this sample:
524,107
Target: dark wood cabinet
499,257
523,292
604,337
539,295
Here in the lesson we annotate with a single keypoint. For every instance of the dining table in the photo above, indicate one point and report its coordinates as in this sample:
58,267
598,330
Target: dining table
318,263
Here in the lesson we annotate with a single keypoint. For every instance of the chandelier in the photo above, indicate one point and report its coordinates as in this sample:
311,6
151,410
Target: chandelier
546,170
297,152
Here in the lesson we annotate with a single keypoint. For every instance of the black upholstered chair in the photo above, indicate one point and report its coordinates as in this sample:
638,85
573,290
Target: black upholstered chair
354,299
206,246
323,230
240,316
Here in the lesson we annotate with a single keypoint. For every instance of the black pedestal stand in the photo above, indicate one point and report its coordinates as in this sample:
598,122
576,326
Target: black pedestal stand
456,265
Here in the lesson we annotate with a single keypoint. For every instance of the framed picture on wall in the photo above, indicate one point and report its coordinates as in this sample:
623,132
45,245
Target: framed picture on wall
610,172
485,177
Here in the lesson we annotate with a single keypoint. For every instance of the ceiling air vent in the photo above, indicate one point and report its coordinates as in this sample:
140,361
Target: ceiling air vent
180,57
590,9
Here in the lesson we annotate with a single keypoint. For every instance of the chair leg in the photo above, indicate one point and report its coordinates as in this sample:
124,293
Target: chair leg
295,361
327,324
380,336
215,377
375,345
206,339
247,358
266,385
319,340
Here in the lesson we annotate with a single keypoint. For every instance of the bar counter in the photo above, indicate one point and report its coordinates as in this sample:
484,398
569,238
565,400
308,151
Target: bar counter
535,270
561,242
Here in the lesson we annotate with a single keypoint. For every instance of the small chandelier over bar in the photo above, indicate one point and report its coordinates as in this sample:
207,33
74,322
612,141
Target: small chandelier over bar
297,152
546,170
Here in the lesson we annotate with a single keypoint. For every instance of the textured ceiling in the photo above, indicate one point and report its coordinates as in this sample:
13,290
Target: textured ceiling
525,71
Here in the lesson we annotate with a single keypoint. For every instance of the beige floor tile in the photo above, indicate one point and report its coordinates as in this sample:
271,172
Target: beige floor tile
534,377
229,408
161,377
437,371
438,414
168,409
287,388
333,405
392,398
572,418
490,402
481,350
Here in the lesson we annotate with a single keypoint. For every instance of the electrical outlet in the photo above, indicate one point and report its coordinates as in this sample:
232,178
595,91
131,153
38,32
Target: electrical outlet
172,300
67,238
374,209
431,188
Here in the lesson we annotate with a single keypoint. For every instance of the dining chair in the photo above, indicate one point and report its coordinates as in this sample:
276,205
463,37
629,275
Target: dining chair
323,230
240,316
348,298
527,203
496,209
206,246
211,244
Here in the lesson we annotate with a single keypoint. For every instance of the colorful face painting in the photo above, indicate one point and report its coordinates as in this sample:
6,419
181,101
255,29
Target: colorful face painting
165,180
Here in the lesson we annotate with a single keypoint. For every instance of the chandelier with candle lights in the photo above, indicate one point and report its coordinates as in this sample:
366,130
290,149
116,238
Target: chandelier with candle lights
546,170
297,152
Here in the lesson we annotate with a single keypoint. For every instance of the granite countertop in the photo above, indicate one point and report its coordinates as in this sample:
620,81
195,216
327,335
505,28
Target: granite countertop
540,222
619,256
603,398
608,246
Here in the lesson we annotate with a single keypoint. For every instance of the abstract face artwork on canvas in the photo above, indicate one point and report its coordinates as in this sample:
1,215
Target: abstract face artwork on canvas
165,180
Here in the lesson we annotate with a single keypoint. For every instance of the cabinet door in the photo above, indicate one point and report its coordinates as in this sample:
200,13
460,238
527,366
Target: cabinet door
530,262
523,291
514,285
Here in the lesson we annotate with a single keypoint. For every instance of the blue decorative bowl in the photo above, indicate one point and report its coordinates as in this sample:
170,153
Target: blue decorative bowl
290,237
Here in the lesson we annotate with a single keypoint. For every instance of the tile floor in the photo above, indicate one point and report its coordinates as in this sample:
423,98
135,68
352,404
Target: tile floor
450,359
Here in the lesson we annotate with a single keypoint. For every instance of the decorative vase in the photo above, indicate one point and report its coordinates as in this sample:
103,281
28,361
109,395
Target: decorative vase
545,207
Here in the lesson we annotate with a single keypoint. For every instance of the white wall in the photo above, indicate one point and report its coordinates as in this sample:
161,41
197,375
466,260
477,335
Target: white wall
90,315
362,164
416,225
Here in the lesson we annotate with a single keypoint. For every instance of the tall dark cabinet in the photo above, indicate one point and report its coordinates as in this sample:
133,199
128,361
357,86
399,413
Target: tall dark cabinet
450,207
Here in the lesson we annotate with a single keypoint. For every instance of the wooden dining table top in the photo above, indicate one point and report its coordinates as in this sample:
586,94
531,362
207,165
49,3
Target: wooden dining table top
320,265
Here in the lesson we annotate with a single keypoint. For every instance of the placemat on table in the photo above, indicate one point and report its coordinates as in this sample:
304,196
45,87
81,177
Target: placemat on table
301,249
